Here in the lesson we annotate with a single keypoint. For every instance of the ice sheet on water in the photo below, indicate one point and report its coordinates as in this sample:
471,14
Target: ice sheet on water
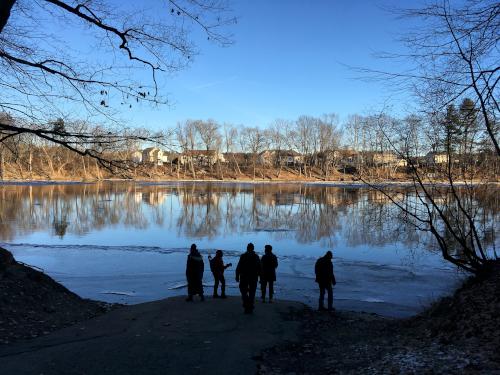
178,286
373,300
43,183
154,272
119,293
270,230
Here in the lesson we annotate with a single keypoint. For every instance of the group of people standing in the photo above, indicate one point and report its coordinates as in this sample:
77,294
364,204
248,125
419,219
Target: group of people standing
249,270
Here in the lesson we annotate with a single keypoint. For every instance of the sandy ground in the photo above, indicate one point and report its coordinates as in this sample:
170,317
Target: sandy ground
170,336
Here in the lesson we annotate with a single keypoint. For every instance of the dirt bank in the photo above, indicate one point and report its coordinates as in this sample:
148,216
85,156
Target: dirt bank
32,304
458,334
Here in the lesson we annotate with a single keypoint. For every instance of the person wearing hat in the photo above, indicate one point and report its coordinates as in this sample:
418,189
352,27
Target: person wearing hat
325,279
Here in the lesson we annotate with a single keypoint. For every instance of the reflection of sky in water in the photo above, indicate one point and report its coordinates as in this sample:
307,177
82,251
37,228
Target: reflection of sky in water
164,217
377,269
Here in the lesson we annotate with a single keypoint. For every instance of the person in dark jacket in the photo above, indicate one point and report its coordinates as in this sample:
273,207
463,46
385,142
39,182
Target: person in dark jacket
247,274
325,279
218,267
194,273
269,264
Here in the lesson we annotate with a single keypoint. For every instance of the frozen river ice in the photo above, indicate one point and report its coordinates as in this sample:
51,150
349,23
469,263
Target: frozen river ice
128,243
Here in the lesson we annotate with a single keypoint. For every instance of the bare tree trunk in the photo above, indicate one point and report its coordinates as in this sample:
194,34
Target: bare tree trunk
20,168
2,165
193,172
5,7
221,172
84,168
61,168
98,172
237,165
49,161
30,163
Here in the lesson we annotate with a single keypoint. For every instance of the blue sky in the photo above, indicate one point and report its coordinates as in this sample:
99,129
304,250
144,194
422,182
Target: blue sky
288,59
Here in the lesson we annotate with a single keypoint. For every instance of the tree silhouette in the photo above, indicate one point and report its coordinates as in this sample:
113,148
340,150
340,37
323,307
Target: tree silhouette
124,52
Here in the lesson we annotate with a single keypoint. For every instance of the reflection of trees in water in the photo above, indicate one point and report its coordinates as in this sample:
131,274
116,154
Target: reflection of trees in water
481,205
370,219
77,209
304,213
201,216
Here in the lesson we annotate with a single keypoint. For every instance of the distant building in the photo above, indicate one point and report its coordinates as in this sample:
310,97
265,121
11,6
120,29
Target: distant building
136,157
433,158
348,158
174,158
280,157
153,155
384,158
203,157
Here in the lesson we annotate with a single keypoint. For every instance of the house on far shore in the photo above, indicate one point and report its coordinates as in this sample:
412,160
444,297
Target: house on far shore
153,155
384,158
170,157
136,157
283,157
387,159
348,158
203,157
433,158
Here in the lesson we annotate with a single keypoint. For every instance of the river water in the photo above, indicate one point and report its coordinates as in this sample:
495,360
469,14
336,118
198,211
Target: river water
127,242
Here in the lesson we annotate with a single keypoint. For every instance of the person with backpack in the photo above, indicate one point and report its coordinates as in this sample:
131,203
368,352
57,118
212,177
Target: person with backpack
218,267
194,273
325,279
247,274
269,263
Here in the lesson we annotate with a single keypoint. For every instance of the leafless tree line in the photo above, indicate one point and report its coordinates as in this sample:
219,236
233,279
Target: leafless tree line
243,146
452,141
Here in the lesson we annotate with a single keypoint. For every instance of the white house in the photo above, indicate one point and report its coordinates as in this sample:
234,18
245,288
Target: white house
433,158
136,157
153,155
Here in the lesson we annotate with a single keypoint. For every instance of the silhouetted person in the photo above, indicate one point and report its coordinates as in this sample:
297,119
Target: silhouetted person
269,263
247,274
194,273
217,267
325,279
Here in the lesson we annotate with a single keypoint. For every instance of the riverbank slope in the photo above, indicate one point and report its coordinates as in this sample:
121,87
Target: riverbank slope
459,334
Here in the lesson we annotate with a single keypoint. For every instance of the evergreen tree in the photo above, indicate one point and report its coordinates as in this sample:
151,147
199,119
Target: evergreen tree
452,131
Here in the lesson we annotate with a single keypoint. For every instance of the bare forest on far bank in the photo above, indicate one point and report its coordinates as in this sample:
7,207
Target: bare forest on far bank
375,147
